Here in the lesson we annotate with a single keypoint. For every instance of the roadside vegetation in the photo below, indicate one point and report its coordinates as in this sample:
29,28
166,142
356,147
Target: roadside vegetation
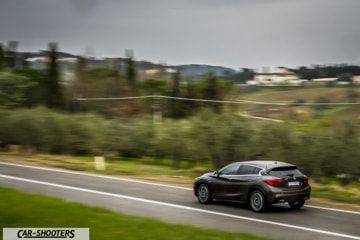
23,210
325,150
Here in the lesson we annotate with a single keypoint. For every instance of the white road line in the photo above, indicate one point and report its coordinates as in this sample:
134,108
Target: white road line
333,209
149,183
180,207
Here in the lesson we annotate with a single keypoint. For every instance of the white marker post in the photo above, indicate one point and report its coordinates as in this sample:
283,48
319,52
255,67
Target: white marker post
99,163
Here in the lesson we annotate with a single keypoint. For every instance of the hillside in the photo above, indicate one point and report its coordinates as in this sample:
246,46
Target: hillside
199,71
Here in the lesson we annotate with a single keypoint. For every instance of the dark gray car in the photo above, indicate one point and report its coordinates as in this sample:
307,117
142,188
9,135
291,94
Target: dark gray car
260,183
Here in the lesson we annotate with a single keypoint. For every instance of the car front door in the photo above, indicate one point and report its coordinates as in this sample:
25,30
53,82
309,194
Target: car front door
235,186
222,182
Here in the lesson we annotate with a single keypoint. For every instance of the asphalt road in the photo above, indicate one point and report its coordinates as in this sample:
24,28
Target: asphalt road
179,205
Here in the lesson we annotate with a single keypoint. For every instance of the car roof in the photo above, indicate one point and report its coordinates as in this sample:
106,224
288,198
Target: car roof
268,164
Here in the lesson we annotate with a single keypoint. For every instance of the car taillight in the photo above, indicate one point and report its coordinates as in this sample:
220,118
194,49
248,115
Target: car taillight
274,181
306,178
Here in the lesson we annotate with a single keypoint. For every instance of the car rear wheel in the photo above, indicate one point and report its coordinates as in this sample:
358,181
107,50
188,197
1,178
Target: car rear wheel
297,204
204,193
257,201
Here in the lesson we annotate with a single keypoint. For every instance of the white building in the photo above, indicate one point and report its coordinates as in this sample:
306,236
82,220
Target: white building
282,77
356,80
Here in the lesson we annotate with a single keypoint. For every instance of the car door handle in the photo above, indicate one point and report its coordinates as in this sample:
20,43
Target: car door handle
240,180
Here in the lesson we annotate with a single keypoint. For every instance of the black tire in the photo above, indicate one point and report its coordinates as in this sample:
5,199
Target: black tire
203,193
257,201
297,204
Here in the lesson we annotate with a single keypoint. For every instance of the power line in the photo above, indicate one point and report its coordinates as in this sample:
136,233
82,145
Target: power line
113,98
221,101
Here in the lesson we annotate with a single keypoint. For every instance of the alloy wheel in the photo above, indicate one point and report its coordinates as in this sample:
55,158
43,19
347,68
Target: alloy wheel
203,193
257,201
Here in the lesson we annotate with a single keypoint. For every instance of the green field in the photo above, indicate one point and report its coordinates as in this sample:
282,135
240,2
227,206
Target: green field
289,95
28,210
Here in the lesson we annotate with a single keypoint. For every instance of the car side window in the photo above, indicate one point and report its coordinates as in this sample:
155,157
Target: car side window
230,170
257,170
247,170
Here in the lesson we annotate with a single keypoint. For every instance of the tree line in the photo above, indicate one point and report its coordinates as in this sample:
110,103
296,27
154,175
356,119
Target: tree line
343,72
205,137
24,87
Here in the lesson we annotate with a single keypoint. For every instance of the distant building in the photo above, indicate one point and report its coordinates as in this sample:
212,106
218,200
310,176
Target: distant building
67,66
356,80
322,82
282,77
37,62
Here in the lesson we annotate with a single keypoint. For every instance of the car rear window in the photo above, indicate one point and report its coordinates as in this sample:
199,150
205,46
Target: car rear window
246,170
285,172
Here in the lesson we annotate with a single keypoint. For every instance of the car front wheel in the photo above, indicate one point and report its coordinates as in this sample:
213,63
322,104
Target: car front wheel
204,193
257,201
297,204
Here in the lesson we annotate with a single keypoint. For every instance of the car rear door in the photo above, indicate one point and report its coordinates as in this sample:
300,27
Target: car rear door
244,180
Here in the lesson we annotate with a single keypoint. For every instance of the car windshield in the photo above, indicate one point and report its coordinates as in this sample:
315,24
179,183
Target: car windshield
285,172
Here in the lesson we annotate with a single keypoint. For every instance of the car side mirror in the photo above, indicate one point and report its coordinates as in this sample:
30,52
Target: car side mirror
217,173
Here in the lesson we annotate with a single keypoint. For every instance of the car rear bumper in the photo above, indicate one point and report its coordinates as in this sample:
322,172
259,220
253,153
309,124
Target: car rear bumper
289,196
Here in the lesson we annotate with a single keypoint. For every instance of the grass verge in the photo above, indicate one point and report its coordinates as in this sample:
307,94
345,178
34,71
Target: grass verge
29,210
345,194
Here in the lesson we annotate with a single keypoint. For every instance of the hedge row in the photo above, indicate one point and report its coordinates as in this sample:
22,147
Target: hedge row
207,137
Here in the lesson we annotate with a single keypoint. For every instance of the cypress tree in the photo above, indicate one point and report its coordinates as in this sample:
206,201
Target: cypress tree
54,92
175,105
130,69
11,54
212,92
2,57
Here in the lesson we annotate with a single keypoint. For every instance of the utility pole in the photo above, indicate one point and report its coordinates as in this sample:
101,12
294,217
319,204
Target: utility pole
12,55
157,111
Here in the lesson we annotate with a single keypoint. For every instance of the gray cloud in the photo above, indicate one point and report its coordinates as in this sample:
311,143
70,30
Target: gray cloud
234,33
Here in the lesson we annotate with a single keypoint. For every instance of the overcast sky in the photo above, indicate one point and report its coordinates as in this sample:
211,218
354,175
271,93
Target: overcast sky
231,33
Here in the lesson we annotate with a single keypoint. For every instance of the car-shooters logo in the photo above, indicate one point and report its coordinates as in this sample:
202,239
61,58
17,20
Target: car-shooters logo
46,233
